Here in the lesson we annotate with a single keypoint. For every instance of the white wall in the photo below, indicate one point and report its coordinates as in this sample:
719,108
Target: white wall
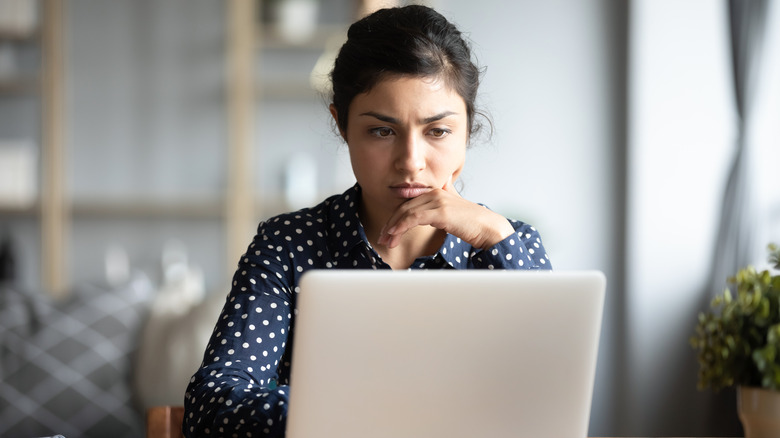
680,135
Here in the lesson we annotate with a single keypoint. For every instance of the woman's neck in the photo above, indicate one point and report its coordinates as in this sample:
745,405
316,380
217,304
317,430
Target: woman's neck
418,242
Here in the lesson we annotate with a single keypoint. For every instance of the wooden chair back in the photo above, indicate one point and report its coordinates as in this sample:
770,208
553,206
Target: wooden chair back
164,422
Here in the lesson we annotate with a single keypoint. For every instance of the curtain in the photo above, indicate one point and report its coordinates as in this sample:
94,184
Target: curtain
735,246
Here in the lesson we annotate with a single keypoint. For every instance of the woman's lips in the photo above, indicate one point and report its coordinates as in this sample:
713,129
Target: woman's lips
408,191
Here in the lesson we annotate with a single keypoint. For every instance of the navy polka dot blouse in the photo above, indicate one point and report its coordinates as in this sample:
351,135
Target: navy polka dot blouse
241,389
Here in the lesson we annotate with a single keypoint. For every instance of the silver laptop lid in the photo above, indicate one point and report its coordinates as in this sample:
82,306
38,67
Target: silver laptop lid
444,354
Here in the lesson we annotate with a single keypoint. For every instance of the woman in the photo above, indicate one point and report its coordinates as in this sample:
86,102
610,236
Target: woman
404,88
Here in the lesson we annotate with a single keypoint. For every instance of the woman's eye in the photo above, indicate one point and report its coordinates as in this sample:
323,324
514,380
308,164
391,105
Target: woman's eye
381,132
439,132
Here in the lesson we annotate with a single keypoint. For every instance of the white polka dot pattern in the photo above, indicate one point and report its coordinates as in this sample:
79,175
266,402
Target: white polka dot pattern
241,388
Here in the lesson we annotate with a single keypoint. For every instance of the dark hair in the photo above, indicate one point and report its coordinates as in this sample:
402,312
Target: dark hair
412,41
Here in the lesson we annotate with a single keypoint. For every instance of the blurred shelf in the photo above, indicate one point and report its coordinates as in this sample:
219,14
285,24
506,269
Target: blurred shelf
140,208
19,35
20,85
19,211
147,209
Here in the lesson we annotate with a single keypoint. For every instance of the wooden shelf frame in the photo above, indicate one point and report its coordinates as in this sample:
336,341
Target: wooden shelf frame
239,198
55,221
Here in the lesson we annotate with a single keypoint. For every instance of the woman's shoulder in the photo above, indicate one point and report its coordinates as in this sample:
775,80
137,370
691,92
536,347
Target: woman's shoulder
523,229
296,222
305,221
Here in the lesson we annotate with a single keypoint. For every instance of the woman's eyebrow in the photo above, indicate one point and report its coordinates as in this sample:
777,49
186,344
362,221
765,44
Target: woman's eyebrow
382,117
437,117
425,121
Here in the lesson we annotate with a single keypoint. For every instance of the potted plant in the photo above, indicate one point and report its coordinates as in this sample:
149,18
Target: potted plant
738,344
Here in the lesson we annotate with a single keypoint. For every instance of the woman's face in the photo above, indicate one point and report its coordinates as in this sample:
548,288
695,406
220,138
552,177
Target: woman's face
406,136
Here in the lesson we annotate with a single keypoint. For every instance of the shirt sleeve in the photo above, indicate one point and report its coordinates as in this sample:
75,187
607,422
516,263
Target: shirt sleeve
236,390
522,249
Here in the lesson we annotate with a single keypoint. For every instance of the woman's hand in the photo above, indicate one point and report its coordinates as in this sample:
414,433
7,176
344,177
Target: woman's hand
446,210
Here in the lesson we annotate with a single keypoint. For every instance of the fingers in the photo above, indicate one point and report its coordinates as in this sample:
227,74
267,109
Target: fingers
441,208
421,210
446,210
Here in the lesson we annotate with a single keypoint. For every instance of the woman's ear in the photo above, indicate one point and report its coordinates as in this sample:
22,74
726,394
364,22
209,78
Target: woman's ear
335,114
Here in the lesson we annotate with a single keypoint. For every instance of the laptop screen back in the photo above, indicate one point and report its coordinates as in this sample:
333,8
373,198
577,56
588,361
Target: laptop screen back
444,354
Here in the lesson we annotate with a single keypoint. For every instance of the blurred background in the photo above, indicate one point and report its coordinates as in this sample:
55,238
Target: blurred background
130,127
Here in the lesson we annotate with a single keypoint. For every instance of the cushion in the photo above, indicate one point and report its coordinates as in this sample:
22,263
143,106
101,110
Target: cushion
65,366
180,323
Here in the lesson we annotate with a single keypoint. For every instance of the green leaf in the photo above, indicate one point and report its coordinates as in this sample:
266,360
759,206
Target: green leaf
738,340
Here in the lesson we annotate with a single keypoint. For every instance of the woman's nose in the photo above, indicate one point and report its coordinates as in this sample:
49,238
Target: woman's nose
410,155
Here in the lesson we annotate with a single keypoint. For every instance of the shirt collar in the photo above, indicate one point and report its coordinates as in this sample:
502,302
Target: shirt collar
345,231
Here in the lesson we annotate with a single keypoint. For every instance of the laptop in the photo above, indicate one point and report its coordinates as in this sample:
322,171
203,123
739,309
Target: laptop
444,354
